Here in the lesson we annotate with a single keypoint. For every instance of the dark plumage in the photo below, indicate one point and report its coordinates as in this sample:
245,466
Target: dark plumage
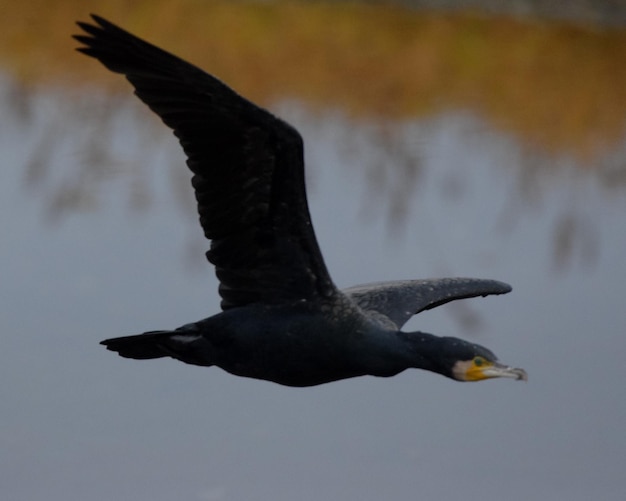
283,319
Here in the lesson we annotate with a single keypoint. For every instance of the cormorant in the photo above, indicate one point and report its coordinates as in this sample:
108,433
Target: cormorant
283,319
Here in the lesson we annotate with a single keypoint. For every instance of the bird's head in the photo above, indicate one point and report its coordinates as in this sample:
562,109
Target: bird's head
466,361
458,359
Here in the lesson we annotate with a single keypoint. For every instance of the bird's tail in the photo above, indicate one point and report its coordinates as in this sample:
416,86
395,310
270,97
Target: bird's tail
141,346
187,347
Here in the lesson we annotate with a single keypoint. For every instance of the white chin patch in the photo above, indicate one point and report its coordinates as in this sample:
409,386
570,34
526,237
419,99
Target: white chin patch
459,371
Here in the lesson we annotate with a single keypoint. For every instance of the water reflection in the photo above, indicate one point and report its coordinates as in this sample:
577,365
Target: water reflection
108,138
556,86
463,201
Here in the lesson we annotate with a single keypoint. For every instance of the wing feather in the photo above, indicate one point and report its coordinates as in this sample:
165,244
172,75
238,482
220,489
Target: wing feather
401,299
247,165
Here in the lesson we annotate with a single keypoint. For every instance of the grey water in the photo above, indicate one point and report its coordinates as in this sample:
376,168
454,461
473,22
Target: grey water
100,239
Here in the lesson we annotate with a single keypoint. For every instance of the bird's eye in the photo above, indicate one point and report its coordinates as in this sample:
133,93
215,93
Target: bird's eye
478,361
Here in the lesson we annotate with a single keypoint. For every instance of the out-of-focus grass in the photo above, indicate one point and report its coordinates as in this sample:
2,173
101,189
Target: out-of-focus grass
559,87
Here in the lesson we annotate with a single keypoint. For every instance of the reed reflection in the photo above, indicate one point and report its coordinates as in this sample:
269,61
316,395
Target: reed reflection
551,95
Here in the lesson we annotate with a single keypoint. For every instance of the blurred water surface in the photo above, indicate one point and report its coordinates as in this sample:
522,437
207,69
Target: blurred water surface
101,239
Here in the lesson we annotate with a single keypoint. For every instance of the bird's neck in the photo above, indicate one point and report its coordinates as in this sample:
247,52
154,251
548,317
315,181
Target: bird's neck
395,352
421,350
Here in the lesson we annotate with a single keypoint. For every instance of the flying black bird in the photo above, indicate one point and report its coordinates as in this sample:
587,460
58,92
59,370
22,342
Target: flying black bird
283,319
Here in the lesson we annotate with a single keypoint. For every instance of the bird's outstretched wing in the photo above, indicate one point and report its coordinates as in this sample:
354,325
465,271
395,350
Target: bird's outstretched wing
400,300
248,171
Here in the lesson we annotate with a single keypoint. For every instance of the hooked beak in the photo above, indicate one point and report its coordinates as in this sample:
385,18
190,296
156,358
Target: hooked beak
500,370
469,371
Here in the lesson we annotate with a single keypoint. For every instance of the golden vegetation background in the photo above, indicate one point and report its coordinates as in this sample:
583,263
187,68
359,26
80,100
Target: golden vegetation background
558,87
